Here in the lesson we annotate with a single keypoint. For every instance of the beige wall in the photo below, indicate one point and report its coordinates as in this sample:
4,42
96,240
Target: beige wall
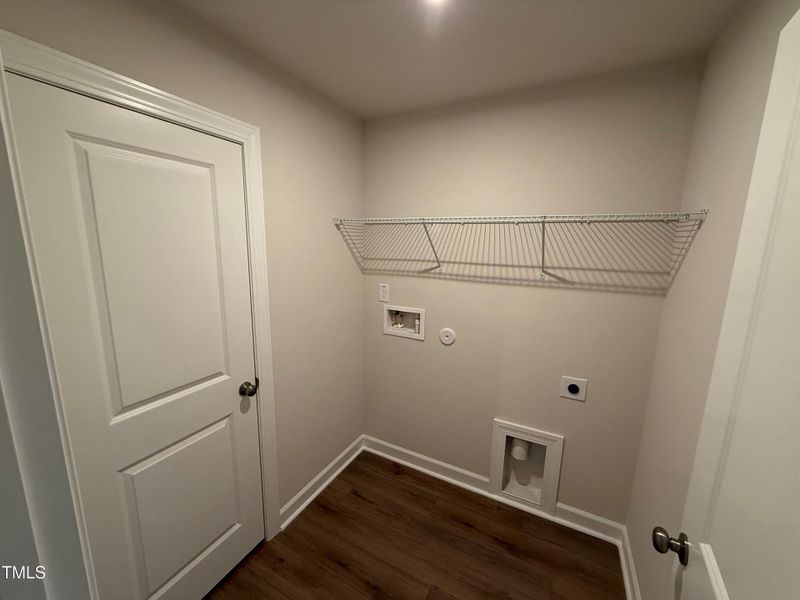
724,143
17,364
17,542
614,143
312,170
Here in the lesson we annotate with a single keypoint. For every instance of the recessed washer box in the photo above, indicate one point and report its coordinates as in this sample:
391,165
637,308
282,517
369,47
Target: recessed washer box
404,321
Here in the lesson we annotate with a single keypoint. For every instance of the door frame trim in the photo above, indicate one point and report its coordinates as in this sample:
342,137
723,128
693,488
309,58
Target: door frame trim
36,61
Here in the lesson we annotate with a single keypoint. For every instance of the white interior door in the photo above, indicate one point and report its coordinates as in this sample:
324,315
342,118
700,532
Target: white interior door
138,230
741,513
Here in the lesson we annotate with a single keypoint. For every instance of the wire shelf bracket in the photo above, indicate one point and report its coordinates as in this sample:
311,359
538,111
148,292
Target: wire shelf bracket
632,252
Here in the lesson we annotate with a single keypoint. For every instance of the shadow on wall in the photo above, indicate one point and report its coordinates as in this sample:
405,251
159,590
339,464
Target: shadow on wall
636,253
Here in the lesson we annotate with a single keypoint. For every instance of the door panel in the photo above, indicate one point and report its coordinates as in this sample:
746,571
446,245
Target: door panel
739,512
138,228
169,539
166,321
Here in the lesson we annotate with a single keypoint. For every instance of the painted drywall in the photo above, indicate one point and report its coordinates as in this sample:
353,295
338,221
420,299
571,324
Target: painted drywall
38,525
614,143
385,57
312,169
608,144
17,540
17,543
728,122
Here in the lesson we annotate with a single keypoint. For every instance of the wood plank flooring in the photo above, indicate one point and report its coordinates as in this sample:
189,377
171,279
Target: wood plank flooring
382,530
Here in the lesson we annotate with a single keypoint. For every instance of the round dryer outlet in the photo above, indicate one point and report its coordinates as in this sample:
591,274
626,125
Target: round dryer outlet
447,336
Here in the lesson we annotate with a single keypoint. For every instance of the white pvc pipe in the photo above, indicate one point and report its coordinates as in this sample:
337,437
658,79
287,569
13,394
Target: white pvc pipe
520,449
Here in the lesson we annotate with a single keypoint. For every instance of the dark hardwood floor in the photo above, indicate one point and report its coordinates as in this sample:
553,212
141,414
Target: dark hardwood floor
382,530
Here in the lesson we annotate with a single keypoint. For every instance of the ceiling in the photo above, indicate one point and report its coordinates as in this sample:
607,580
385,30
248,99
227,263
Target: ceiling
377,57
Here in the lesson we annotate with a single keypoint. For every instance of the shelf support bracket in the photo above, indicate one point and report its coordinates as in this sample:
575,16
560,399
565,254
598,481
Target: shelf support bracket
433,248
350,243
542,274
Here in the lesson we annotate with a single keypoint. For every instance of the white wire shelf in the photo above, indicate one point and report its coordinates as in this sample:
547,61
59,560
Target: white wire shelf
633,252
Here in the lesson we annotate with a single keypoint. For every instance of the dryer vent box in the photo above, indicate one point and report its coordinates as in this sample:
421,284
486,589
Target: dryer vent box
526,464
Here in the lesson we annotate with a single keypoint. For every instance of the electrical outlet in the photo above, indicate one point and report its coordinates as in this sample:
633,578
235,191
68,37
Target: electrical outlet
574,388
383,292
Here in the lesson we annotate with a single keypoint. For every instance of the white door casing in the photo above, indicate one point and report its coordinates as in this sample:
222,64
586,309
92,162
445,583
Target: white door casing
152,214
740,514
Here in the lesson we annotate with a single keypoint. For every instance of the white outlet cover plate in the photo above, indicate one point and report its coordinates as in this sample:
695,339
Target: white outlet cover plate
383,292
583,384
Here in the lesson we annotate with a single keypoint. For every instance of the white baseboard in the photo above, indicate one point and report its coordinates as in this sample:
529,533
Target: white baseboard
607,530
571,517
431,466
314,487
586,522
